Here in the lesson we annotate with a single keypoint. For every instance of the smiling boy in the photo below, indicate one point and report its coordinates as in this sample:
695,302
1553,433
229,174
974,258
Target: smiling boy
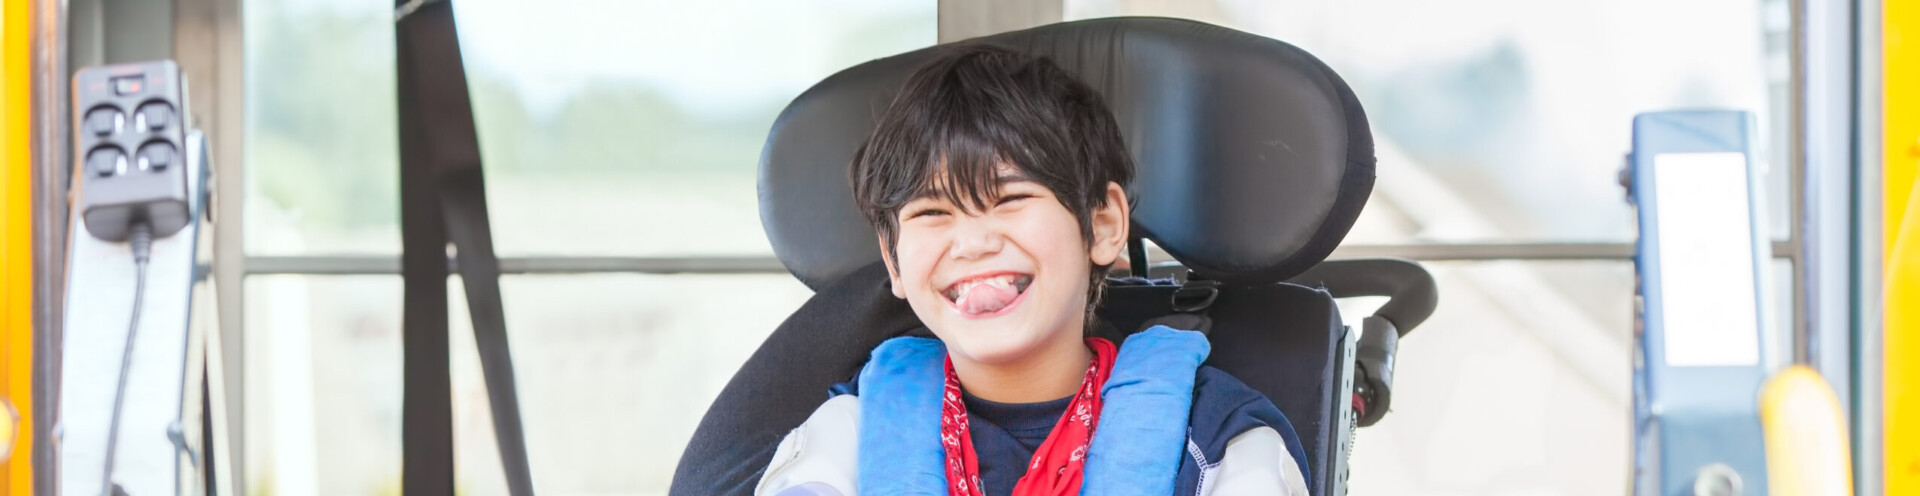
994,182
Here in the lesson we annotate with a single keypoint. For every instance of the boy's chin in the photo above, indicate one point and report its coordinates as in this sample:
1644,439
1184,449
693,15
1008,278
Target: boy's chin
992,355
993,345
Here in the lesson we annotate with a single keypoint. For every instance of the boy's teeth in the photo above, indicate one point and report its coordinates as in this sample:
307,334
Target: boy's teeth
1013,282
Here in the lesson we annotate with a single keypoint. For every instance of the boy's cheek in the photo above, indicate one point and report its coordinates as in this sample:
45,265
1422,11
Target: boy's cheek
911,278
917,259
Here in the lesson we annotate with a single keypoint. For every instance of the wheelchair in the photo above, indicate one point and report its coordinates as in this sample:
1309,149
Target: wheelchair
1253,161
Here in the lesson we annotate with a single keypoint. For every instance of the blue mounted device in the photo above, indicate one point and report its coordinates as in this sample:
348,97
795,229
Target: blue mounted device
1705,325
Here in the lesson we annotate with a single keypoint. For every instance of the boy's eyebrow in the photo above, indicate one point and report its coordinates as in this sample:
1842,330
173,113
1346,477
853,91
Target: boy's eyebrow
999,181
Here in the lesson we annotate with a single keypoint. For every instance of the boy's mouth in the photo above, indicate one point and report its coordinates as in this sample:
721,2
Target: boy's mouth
987,294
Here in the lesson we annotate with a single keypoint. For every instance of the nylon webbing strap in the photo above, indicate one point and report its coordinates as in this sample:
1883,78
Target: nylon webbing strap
443,198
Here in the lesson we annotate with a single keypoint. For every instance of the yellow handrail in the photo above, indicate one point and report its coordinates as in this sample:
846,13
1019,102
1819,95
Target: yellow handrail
1901,124
1806,435
16,248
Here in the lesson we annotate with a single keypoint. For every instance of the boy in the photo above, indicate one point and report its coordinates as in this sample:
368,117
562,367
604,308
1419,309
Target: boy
994,183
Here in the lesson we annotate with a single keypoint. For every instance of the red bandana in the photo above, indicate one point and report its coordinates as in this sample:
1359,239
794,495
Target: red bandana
1056,466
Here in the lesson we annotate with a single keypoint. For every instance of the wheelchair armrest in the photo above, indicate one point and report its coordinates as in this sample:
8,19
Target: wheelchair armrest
1410,290
1412,297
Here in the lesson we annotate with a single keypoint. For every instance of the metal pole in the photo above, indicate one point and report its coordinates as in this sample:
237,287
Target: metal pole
49,141
1827,137
1868,190
1797,165
962,19
207,44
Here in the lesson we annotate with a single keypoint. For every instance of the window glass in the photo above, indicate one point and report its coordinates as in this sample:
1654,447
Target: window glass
322,385
615,127
614,373
321,137
1507,120
1501,394
607,127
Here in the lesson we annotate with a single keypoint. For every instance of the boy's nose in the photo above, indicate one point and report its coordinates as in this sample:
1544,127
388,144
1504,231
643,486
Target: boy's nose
975,238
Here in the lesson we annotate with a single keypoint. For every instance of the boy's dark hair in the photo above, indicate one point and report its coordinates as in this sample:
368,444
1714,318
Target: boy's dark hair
978,105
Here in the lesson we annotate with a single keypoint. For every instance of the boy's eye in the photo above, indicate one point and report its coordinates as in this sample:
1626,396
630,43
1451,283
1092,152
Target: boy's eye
914,214
1012,197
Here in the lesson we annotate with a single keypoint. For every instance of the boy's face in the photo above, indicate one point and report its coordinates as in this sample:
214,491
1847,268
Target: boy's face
999,284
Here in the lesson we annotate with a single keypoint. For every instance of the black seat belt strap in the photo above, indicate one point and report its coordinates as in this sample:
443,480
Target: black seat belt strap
443,198
1188,306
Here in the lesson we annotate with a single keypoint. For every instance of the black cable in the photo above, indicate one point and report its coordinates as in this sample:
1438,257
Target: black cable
141,240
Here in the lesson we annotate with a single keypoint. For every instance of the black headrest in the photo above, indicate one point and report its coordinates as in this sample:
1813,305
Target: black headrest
1254,158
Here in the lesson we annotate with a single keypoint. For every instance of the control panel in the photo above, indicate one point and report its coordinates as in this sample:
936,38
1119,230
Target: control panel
129,132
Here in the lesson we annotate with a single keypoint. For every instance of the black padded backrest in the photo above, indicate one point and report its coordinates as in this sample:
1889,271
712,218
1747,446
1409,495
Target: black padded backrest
1253,157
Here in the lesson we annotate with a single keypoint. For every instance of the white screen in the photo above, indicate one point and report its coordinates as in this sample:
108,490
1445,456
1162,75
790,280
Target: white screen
1706,259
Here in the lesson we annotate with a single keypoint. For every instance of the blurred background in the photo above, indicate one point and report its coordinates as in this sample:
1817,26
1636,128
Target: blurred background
1500,126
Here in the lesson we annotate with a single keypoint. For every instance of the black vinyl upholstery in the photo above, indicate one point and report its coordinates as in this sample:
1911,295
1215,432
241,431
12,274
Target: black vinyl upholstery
1253,160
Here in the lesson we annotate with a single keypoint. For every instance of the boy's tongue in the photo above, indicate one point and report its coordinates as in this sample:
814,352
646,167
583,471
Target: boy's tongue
985,298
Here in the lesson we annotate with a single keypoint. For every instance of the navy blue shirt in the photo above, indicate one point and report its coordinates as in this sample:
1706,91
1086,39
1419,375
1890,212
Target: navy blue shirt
1005,435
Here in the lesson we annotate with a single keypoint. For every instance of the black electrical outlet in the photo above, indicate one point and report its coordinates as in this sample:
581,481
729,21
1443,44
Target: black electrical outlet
129,138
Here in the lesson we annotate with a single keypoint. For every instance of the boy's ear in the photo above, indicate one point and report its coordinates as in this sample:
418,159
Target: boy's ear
1110,224
893,273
